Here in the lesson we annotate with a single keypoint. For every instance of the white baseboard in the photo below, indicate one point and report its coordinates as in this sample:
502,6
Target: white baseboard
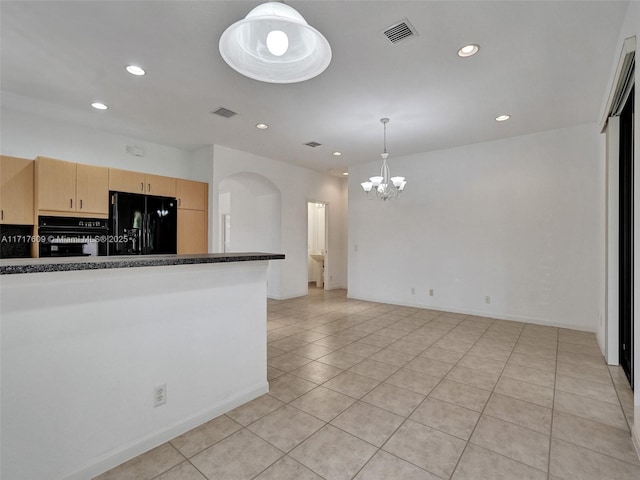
288,297
498,316
635,437
142,445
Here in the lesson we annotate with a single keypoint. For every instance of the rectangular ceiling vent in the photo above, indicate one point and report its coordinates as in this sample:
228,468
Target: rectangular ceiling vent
400,32
223,112
313,144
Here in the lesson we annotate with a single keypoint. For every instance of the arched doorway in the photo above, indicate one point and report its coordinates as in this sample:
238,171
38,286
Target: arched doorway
249,216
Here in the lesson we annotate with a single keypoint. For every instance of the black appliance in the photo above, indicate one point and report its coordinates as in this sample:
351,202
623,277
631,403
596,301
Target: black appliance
142,224
72,237
15,241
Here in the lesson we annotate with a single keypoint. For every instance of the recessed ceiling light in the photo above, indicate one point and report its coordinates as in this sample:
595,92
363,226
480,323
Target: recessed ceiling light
262,126
337,154
135,70
99,106
345,174
468,50
502,118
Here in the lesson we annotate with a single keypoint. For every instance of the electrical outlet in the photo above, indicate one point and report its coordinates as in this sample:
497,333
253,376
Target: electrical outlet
159,395
431,292
487,299
413,291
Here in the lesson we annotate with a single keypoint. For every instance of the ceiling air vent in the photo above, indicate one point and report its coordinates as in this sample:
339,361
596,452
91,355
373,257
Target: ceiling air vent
313,144
400,31
223,112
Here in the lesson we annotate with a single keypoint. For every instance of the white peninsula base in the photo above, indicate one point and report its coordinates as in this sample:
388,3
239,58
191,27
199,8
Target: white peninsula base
83,350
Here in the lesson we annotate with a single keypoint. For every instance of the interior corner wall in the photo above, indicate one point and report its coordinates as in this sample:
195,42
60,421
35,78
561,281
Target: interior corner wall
516,220
28,136
297,186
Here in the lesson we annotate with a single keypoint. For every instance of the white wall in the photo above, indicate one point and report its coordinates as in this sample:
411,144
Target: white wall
28,136
255,213
254,205
77,378
511,219
297,187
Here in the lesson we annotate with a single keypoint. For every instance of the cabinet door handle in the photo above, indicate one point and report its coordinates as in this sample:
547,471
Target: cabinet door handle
71,203
149,186
1,214
179,202
142,186
80,204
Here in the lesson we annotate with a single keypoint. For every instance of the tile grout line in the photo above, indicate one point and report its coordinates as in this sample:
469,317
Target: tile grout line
400,426
553,406
486,403
360,400
297,308
378,449
426,397
615,388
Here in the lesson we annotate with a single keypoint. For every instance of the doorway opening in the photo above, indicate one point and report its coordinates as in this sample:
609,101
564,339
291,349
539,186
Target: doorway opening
625,305
317,252
249,220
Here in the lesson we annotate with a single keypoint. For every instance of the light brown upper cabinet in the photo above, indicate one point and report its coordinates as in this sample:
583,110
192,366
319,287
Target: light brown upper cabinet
126,181
191,195
66,187
16,191
136,182
162,186
92,189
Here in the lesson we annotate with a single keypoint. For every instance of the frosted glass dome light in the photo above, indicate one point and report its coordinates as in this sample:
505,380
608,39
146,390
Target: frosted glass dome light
275,44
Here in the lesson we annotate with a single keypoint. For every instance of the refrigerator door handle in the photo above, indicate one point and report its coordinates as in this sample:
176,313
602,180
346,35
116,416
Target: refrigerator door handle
148,232
143,236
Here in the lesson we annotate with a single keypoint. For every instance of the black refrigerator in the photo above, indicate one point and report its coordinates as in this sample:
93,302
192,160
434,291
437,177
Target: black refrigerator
142,224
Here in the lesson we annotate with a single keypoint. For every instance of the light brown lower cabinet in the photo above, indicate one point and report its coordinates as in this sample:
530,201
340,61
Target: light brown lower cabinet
192,231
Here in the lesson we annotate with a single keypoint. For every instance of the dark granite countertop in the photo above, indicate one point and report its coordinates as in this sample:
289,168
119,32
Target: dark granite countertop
41,265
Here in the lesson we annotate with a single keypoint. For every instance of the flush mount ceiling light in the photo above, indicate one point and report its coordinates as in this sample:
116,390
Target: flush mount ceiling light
262,126
336,154
99,106
275,44
385,185
468,50
135,70
502,118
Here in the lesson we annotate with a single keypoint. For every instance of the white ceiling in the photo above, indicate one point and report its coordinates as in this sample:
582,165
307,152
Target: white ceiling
545,63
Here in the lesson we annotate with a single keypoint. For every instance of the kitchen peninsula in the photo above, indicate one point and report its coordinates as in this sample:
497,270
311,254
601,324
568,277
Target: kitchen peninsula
87,343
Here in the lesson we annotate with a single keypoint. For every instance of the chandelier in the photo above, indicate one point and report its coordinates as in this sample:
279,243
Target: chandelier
275,44
385,186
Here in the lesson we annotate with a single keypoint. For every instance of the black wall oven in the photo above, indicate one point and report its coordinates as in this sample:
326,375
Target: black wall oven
72,237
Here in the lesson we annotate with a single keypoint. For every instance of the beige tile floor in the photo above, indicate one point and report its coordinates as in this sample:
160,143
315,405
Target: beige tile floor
380,392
